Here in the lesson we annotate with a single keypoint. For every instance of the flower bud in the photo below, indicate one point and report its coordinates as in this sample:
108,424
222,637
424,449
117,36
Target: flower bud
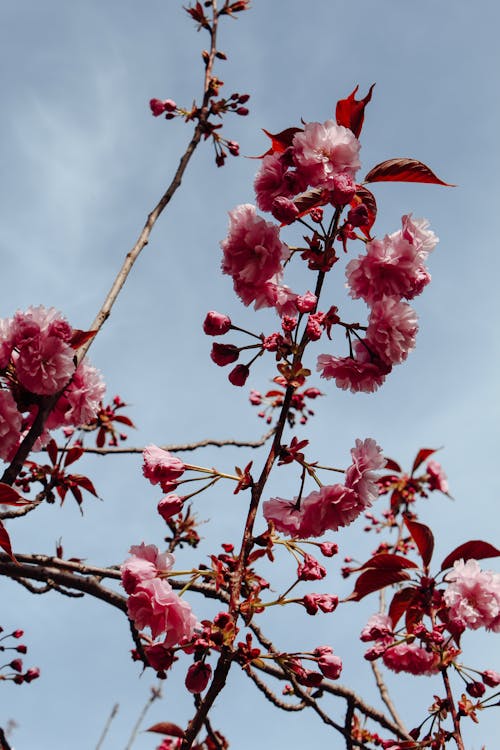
169,506
198,676
216,324
224,354
239,375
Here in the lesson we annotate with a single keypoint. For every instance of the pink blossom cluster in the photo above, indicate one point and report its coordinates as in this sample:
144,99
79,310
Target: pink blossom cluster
152,602
473,597
37,352
332,506
397,655
389,271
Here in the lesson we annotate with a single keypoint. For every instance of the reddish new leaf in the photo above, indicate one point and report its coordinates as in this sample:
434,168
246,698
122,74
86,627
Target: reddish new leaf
123,420
166,727
400,602
76,494
403,170
386,561
374,580
312,199
363,195
421,456
280,141
52,451
5,542
423,538
101,437
392,465
10,496
473,550
79,338
73,455
84,482
350,112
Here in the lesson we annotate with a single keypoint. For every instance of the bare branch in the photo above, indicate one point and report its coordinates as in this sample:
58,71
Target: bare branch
112,715
272,697
155,694
384,694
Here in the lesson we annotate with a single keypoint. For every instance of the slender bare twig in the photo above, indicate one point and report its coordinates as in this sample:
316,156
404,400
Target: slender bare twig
272,697
155,694
384,694
112,715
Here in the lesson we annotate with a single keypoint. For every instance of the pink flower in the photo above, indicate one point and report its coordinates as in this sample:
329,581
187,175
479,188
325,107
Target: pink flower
270,181
336,506
394,266
392,329
284,514
252,251
324,602
198,676
378,626
216,324
408,657
81,400
310,569
364,373
161,467
321,152
343,189
473,596
154,605
437,478
279,296
10,425
145,563
5,342
43,354
169,506
330,665
367,457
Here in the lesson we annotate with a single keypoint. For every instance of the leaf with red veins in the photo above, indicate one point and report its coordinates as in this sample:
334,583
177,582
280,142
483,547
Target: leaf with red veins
421,456
306,202
401,601
79,338
387,561
476,549
423,538
52,451
166,727
73,455
280,141
365,196
5,542
10,496
404,170
374,580
350,112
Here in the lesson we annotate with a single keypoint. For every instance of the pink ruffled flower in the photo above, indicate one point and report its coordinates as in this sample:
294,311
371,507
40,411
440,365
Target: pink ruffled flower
279,296
330,508
5,342
156,606
145,563
437,477
81,400
161,467
363,373
367,457
270,181
322,151
392,329
408,657
324,602
378,626
473,596
42,352
10,425
394,266
252,251
330,665
284,514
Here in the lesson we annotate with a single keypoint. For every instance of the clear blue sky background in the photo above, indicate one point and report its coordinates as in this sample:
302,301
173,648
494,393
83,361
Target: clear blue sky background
82,161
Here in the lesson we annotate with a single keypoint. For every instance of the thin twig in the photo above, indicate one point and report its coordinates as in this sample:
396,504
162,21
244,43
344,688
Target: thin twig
112,715
155,694
384,694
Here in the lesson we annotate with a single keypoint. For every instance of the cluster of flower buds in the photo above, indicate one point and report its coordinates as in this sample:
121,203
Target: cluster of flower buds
13,670
37,359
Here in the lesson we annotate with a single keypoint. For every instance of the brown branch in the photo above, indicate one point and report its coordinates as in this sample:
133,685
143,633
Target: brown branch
384,694
112,715
272,697
155,694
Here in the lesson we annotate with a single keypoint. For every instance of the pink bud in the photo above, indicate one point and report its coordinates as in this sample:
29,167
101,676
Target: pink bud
18,633
310,569
239,375
169,506
329,549
198,676
224,354
216,324
358,217
157,107
330,665
284,210
306,303
32,674
475,689
16,665
344,189
243,111
491,678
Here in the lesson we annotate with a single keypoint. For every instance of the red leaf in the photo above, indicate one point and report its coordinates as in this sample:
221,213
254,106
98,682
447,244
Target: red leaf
166,727
73,455
396,499
124,420
101,438
392,465
421,456
363,195
280,141
5,542
10,496
84,482
423,538
473,550
272,394
76,494
52,451
350,112
400,602
386,561
311,199
403,170
374,580
79,338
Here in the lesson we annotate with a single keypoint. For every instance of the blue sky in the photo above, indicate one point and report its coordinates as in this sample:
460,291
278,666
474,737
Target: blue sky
81,163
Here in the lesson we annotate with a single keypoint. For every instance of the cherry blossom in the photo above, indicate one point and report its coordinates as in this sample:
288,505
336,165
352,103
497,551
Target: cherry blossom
161,467
473,596
323,151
